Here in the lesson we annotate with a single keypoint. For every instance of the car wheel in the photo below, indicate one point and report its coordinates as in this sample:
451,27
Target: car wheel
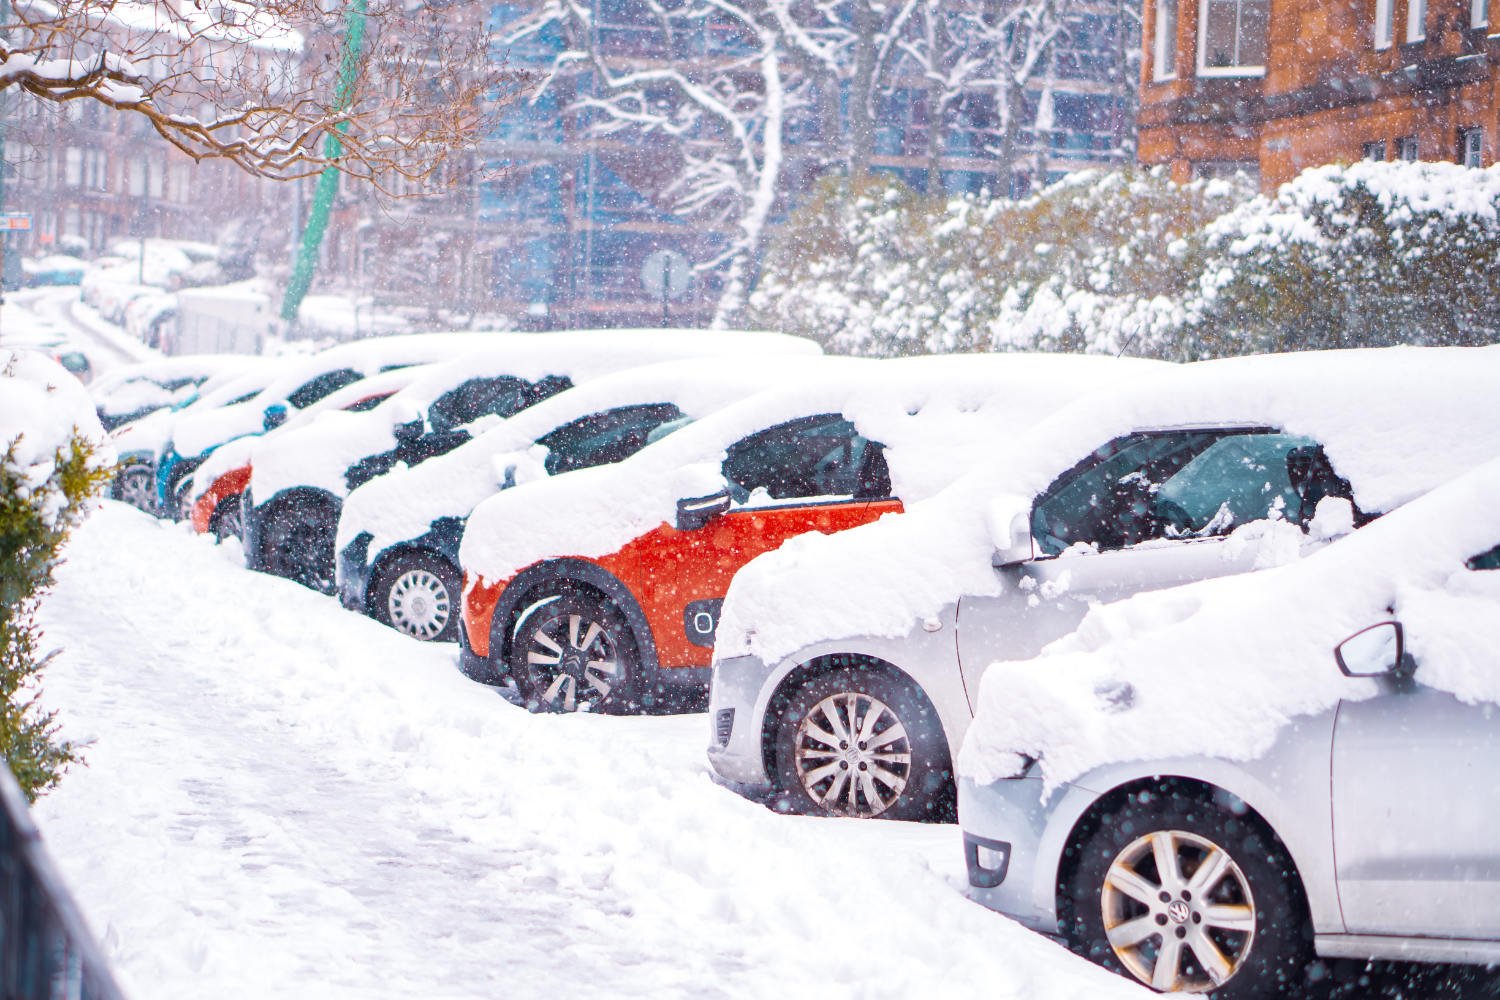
136,485
575,652
417,593
863,743
226,521
1187,895
299,545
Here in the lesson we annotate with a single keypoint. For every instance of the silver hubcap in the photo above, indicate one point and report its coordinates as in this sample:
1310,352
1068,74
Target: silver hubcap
573,662
1178,912
419,604
852,755
135,488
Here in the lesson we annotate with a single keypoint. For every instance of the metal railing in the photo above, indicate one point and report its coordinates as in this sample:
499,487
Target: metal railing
46,951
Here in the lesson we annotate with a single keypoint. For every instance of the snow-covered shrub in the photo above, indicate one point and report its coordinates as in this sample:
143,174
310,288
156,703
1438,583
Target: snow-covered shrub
52,465
1371,254
1096,262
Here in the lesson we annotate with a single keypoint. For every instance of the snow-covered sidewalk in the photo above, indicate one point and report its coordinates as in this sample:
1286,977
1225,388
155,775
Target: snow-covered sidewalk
283,799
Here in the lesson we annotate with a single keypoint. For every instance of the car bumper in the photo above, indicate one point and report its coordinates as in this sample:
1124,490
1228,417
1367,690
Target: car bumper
734,738
1005,824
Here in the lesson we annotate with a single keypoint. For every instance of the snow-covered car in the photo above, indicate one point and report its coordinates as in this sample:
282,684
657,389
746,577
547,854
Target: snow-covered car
212,495
129,392
53,269
398,535
1204,786
846,666
299,480
300,383
600,590
140,442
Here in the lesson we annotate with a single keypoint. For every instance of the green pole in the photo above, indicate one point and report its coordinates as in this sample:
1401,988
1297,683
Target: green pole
328,180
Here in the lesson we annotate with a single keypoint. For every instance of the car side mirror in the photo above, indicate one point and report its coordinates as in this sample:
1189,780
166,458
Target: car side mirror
1010,531
275,416
408,432
695,512
1377,651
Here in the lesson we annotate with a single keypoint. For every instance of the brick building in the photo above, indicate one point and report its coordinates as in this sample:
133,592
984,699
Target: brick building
1275,86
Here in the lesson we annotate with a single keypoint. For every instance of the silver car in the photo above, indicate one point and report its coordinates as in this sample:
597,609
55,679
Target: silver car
839,696
1365,829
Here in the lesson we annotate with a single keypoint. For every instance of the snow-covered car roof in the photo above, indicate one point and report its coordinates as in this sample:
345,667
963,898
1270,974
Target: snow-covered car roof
1217,668
152,385
403,503
319,454
241,451
934,415
151,432
41,404
1394,422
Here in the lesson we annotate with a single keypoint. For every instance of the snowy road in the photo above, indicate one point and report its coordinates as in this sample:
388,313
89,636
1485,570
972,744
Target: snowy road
283,799
105,343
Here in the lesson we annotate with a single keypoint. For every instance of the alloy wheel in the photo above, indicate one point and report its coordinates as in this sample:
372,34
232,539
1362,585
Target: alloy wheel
574,661
852,755
137,488
419,604
1178,912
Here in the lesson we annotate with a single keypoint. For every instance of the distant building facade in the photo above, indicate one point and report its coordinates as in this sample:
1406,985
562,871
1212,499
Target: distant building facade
579,227
1272,87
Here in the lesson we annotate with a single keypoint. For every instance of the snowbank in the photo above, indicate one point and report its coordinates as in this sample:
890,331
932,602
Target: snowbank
1217,668
931,413
300,802
1394,422
42,406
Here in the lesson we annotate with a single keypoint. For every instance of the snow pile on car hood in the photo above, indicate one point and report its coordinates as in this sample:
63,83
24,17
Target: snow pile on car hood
1394,422
1217,668
319,454
936,416
403,503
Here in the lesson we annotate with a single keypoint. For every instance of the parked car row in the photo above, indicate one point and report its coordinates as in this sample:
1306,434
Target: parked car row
1196,707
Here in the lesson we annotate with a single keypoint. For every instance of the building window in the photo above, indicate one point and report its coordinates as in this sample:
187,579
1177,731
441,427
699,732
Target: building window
1232,37
73,166
1384,23
1416,20
1213,169
1479,13
1406,149
1373,151
1164,49
1471,147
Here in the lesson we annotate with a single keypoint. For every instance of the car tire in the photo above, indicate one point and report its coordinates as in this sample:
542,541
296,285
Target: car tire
1242,933
900,770
574,651
136,485
226,519
298,544
417,593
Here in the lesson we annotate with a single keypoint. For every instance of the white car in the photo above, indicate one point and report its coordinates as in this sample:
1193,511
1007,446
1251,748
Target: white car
847,667
1205,786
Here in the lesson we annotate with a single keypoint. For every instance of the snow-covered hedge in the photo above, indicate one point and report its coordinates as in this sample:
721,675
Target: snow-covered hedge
53,461
1369,254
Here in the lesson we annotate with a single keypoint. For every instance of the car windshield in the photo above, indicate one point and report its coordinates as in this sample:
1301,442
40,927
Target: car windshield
601,438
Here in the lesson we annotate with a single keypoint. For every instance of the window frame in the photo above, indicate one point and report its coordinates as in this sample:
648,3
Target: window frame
1416,21
1405,144
1204,70
1479,14
1385,24
1374,151
1164,42
1467,137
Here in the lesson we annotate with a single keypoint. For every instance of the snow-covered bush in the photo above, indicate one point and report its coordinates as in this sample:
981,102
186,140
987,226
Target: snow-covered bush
1096,262
1371,254
52,464
1363,255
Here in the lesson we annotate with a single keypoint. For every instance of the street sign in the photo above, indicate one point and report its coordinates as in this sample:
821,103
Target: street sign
666,274
15,221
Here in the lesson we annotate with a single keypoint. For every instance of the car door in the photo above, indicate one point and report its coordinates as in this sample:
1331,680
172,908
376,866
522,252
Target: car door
1415,804
812,474
1146,511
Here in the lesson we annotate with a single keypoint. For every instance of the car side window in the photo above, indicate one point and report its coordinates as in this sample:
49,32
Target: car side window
476,398
1184,484
1485,560
315,389
602,438
822,456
